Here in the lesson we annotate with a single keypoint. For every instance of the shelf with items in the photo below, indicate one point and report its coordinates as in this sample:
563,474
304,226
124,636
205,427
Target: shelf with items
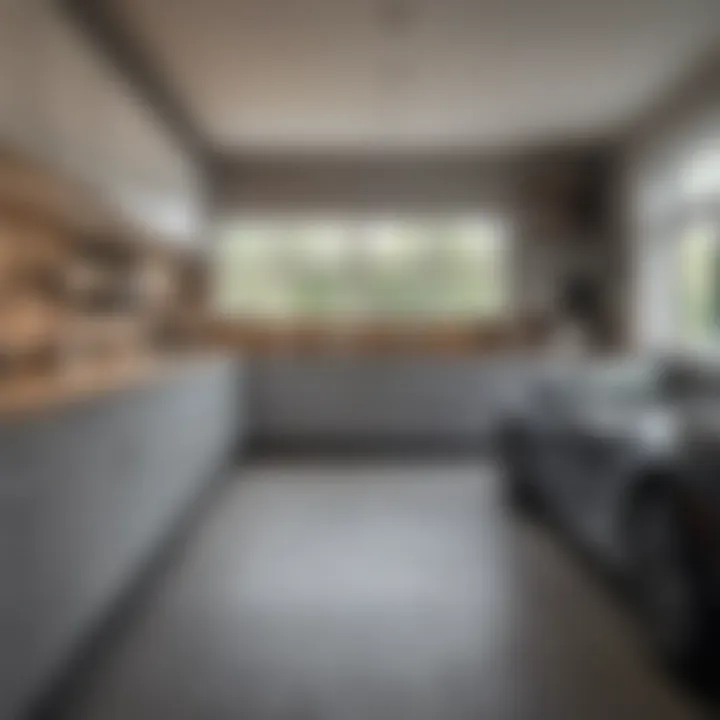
82,291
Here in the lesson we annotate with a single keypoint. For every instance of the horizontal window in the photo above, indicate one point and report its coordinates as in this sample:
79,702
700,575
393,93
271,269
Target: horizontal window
429,269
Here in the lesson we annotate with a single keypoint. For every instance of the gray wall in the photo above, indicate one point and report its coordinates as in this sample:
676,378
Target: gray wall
512,186
86,493
350,183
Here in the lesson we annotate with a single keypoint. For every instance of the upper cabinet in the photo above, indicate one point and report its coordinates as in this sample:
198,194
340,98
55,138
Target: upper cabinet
61,100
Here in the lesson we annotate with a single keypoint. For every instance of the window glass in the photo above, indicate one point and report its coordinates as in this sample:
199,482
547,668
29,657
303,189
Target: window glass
700,282
384,268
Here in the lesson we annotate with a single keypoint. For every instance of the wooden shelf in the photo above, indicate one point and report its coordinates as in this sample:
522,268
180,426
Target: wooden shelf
79,283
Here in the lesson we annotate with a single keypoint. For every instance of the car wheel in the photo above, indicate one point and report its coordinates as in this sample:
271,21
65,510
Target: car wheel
667,584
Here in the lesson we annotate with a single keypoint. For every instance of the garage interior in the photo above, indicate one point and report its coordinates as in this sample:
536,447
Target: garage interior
271,270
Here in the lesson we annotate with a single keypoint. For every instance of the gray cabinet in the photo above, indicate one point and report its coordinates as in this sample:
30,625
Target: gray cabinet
86,494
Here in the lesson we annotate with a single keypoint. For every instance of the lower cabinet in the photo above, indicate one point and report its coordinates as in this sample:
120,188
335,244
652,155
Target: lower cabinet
87,493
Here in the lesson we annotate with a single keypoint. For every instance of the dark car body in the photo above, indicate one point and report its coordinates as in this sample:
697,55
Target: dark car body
595,443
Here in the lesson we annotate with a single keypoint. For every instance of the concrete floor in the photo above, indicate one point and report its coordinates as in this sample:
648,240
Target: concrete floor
378,591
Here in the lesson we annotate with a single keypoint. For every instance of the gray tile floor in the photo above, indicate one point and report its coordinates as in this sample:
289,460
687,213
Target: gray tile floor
376,591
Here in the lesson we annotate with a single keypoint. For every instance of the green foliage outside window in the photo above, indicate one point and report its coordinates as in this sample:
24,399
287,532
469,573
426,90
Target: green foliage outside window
434,269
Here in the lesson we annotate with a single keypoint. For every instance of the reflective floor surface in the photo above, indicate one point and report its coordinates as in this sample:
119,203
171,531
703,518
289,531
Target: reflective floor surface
376,591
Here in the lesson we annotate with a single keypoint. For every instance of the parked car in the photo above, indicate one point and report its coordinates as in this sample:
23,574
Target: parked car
625,456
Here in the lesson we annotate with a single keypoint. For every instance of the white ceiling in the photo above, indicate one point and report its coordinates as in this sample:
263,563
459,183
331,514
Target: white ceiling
420,74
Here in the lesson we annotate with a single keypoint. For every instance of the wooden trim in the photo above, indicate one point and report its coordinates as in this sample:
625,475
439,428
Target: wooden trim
454,339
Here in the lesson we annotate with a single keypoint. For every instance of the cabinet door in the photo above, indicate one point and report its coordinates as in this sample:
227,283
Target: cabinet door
74,548
18,498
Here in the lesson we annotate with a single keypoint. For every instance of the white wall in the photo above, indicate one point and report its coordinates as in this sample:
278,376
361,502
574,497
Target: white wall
658,155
